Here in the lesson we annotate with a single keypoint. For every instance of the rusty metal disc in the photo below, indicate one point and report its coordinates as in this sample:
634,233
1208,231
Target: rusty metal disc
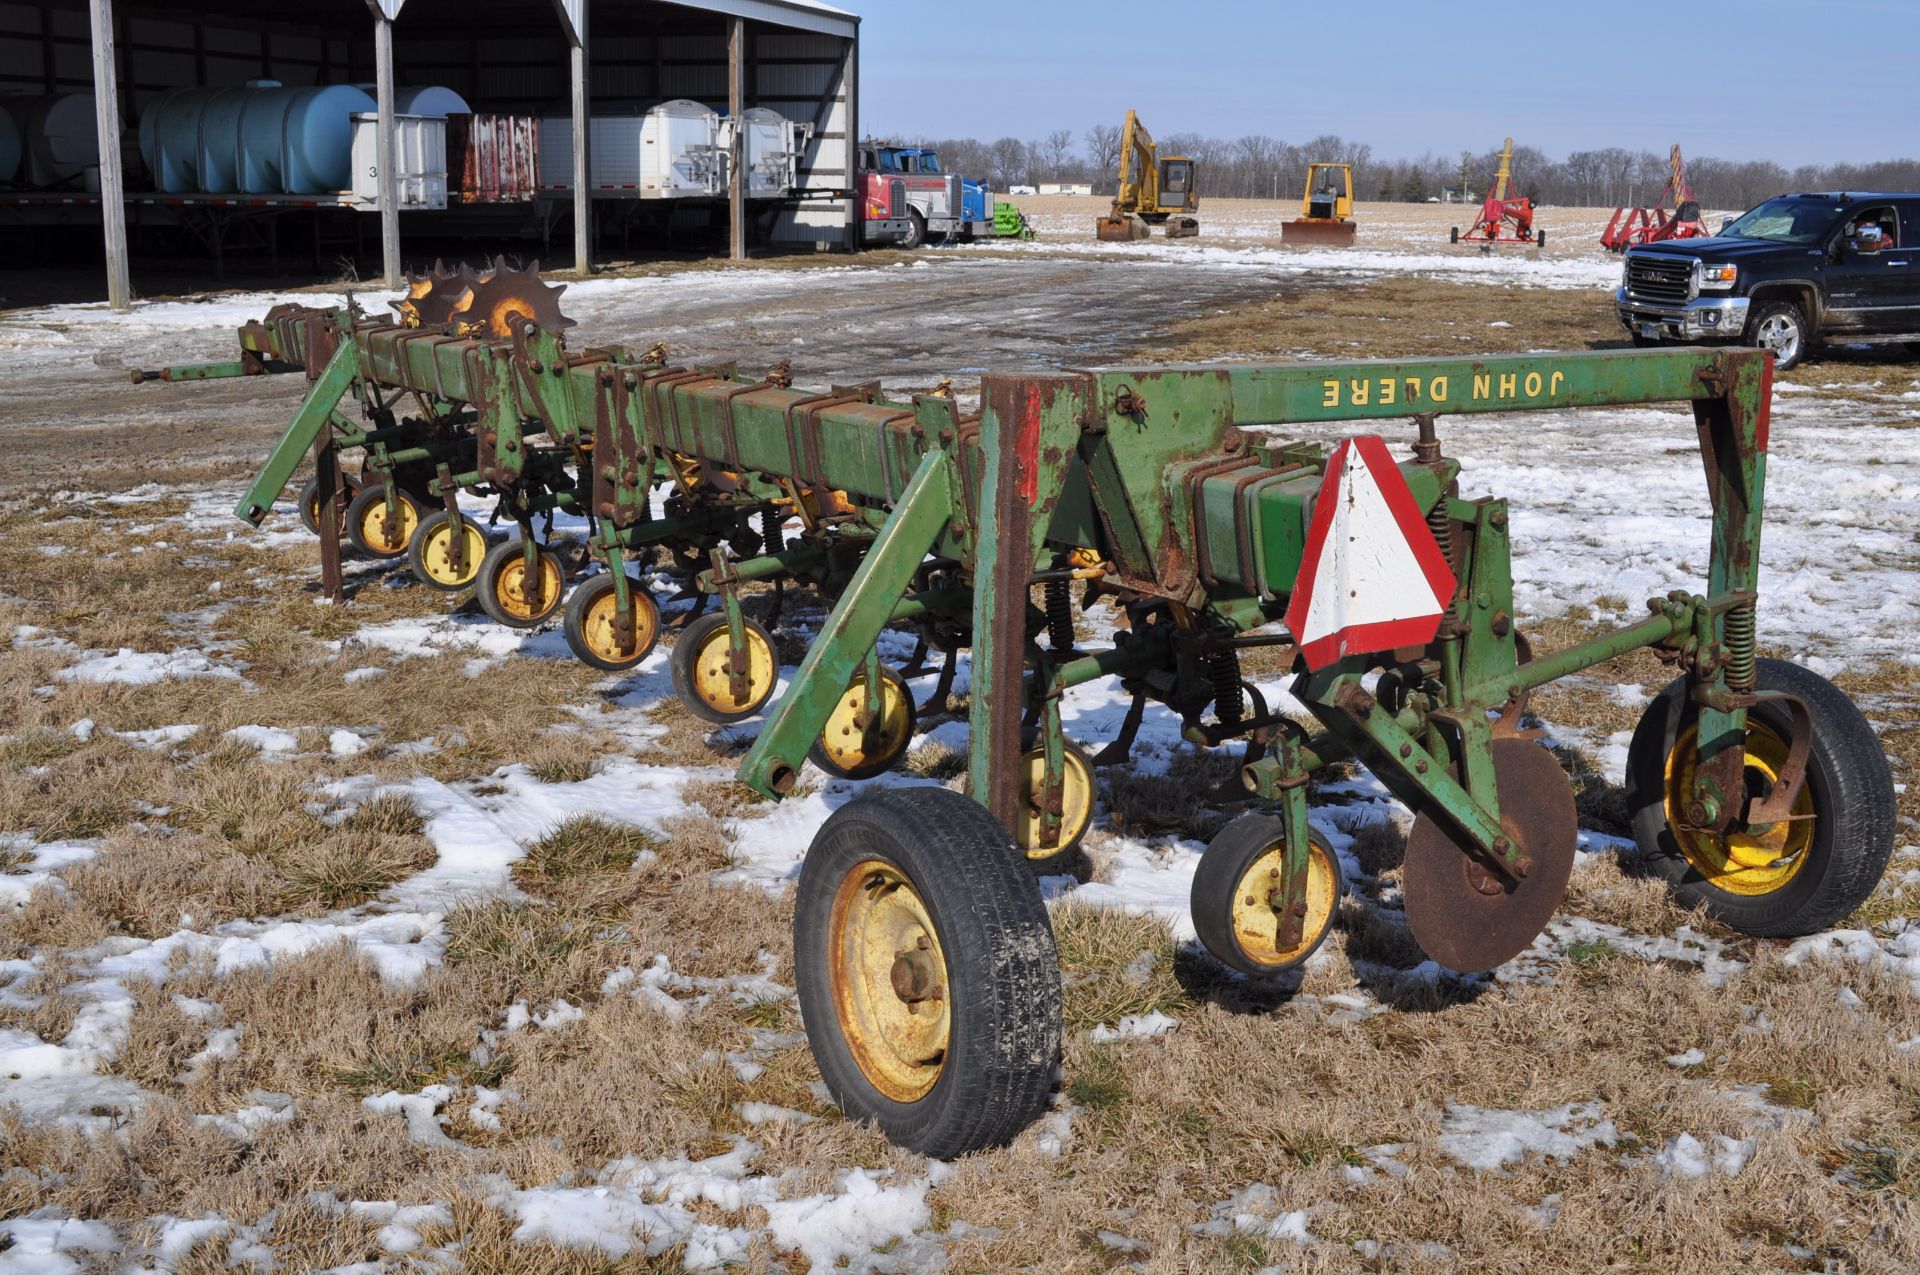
1464,914
432,297
504,297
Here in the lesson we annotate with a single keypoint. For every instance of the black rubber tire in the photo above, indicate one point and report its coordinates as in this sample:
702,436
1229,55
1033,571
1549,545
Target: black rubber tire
485,590
1766,310
916,230
1540,239
1002,970
582,599
1234,850
417,548
1853,807
362,504
819,756
1454,235
686,648
310,502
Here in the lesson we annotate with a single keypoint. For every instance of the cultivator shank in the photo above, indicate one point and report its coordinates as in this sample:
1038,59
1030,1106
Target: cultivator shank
1160,491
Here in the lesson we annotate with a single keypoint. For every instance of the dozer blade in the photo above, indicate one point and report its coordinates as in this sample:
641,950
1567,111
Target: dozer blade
1182,227
1319,234
1124,228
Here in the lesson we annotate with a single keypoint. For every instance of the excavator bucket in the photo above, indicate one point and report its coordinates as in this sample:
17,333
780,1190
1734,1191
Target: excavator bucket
1318,234
1182,227
1121,228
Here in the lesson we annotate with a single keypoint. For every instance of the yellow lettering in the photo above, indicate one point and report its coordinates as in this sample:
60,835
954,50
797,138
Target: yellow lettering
1360,393
1437,389
1389,391
1329,393
1533,385
1509,382
1482,385
1553,382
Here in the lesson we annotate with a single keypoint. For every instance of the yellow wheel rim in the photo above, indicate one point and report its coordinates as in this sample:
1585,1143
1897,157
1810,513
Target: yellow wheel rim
436,555
875,747
713,672
1749,863
1256,922
889,978
525,595
389,534
1076,804
596,627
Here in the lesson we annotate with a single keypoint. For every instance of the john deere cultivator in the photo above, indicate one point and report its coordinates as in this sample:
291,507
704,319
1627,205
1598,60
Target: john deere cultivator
923,954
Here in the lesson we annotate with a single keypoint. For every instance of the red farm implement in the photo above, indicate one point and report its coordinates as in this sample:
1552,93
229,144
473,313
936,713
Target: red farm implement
1504,216
1630,226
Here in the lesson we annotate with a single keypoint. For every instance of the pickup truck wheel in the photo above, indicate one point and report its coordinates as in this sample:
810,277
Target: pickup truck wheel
1780,326
916,230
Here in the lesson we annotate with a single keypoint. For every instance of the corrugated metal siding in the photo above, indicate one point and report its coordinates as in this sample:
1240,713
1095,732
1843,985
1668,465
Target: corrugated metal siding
808,80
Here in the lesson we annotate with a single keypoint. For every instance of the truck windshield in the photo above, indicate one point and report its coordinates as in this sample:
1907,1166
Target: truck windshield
930,164
1786,221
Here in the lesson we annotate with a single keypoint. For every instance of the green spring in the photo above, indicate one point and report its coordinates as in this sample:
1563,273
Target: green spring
1740,651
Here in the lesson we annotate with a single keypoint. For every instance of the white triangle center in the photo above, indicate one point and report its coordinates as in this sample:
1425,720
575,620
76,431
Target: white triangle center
1367,573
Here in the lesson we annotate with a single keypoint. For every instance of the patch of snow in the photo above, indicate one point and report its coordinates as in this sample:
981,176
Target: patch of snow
1486,1138
269,740
1134,1027
128,667
1685,1156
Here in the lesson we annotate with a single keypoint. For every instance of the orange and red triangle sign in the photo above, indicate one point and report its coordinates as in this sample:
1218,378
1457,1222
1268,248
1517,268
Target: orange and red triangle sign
1372,577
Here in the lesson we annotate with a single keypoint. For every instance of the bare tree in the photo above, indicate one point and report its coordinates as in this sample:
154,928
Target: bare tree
1009,160
1059,152
1103,152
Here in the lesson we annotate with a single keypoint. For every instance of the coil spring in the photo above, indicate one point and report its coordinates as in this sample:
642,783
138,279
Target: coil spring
771,531
1229,703
1740,647
1440,523
1059,601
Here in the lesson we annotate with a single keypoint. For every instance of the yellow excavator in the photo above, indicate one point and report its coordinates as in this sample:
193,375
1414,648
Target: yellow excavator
1155,190
1326,210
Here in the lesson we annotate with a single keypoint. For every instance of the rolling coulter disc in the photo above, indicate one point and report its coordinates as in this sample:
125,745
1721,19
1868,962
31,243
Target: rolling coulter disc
504,297
1464,914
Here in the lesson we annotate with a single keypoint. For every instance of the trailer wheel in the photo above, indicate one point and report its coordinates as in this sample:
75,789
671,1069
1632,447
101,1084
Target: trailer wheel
1781,326
847,751
702,677
1233,885
1455,233
589,625
1078,799
310,502
1540,239
926,971
430,553
514,596
372,531
1795,877
916,230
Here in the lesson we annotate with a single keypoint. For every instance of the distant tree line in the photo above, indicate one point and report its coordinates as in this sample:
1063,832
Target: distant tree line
1258,166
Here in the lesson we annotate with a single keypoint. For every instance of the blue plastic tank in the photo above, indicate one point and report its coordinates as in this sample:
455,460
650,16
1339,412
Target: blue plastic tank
258,139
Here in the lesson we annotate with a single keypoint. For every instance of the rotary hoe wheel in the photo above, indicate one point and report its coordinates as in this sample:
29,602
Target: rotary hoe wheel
503,298
433,297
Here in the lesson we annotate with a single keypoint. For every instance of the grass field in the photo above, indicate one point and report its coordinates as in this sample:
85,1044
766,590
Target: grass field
378,938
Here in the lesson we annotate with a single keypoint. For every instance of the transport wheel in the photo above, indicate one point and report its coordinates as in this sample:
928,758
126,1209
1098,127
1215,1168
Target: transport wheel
926,970
845,750
514,596
589,627
916,230
1780,326
372,531
430,552
1455,235
702,674
1540,239
1233,888
1795,877
310,502
1079,794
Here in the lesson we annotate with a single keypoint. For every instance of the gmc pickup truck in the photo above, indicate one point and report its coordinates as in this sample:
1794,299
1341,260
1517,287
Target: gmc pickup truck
1794,272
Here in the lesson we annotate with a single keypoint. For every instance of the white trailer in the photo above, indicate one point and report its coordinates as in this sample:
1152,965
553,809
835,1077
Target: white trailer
673,151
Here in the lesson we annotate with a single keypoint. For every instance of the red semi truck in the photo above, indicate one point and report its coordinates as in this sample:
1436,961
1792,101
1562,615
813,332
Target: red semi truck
905,198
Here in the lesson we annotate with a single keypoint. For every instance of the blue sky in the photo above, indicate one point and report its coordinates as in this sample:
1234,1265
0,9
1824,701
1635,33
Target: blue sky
1798,83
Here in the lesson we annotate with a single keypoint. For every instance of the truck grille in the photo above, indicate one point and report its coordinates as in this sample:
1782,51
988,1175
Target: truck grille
1658,280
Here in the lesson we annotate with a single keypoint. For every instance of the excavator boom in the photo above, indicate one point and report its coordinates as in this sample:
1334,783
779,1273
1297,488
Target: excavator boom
1152,189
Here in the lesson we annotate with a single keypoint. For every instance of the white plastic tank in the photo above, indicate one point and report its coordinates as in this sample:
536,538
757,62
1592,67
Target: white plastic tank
58,137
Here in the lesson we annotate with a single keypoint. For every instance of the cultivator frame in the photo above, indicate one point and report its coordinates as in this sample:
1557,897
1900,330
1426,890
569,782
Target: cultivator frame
1161,489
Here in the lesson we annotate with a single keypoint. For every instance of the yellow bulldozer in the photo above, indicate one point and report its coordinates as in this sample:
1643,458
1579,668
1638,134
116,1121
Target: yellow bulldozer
1154,190
1326,210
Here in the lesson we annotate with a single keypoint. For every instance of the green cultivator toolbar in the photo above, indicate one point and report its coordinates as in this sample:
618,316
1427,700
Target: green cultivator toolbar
923,951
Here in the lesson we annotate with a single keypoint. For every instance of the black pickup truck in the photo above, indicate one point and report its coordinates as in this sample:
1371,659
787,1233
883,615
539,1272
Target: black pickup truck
1793,272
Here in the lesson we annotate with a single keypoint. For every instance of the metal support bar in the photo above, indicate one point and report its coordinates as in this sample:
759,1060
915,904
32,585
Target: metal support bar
309,424
737,149
384,160
582,126
106,108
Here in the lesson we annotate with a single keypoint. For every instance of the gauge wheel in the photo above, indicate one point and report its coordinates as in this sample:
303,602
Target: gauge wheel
1781,326
926,971
589,625
514,596
310,502
430,552
376,531
1233,888
703,677
1079,799
849,752
1796,877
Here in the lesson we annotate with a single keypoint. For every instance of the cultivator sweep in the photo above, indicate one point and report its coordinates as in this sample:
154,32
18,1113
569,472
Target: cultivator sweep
923,955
